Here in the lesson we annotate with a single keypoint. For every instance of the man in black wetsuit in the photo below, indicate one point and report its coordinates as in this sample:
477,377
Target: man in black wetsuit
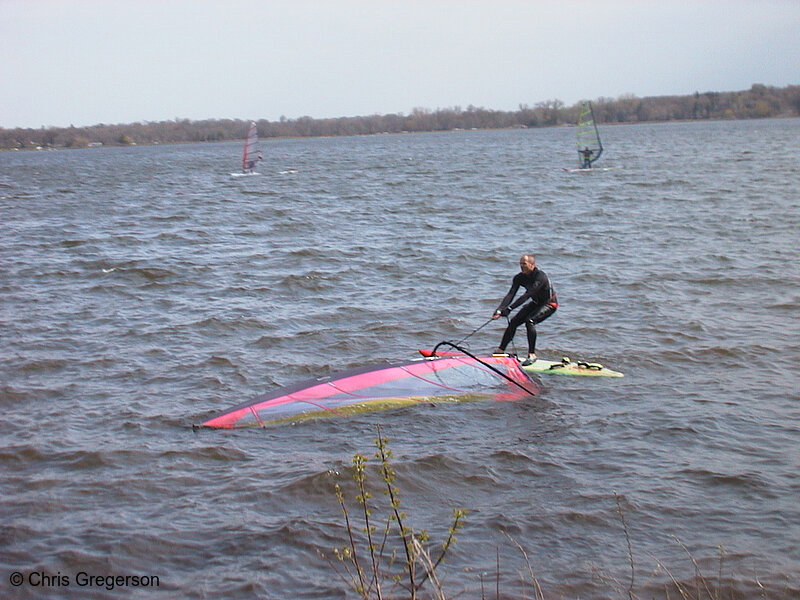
587,157
541,303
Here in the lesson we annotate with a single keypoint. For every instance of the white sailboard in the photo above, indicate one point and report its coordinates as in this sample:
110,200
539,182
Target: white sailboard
251,154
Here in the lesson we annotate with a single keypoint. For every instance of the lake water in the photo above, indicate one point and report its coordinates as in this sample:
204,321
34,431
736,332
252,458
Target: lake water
145,289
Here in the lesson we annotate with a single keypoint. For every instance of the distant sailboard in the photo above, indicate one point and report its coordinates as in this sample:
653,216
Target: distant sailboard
251,154
593,170
589,145
454,378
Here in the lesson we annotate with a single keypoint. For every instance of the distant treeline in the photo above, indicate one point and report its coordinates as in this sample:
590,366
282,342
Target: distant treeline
758,102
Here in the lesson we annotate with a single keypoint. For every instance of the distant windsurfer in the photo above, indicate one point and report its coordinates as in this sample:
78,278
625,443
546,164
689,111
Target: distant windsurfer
541,301
587,157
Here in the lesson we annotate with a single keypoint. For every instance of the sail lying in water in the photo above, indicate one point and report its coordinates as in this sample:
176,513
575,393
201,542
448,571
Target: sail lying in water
448,378
589,145
252,150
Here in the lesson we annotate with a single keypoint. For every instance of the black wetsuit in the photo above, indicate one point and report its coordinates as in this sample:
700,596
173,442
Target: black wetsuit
542,302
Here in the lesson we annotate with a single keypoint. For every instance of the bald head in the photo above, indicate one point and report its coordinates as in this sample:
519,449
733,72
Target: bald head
527,262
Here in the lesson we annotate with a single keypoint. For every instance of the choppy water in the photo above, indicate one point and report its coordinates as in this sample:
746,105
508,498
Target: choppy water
144,289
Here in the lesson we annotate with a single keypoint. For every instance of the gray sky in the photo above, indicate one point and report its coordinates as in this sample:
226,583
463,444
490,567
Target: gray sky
83,62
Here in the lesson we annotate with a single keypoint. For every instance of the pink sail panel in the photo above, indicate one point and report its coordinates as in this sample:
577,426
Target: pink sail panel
384,386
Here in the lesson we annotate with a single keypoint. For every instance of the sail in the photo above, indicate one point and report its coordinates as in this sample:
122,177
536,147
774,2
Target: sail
445,378
252,151
589,145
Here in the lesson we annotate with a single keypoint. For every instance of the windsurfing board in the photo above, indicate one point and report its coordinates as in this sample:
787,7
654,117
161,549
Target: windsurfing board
579,170
565,366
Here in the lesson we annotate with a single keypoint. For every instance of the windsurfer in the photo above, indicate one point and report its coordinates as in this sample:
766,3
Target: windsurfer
541,300
587,157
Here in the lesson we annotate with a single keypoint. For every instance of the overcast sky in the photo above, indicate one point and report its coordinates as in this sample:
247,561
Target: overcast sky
84,62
